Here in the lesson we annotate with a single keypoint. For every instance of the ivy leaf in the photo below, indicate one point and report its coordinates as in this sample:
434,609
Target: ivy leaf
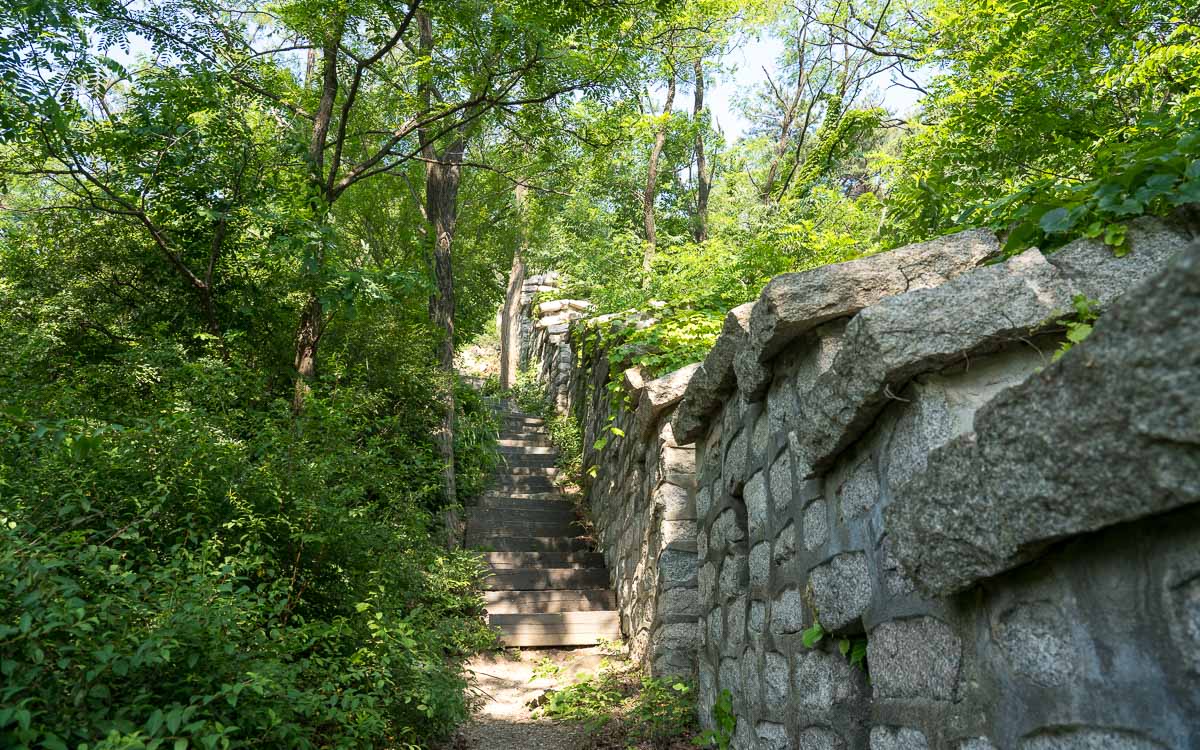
813,635
1055,221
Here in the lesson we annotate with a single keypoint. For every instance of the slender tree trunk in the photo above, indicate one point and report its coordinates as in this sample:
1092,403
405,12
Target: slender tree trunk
703,178
308,332
648,198
308,336
510,315
441,203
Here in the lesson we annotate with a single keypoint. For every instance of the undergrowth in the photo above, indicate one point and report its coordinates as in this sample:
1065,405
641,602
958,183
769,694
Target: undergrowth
622,708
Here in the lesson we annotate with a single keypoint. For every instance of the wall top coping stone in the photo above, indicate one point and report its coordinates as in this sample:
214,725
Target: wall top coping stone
793,305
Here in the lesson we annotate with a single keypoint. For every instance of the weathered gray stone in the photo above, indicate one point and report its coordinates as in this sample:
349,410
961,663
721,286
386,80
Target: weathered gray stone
708,582
914,659
1108,434
733,470
787,612
795,303
674,502
760,564
735,623
820,738
1036,639
772,736
976,743
887,345
841,590
659,395
757,621
704,498
822,680
898,738
1087,738
785,545
676,567
859,493
714,380
732,575
816,525
755,496
775,681
781,483
1099,275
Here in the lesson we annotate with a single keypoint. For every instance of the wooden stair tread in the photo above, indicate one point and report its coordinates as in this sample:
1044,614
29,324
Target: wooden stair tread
546,578
547,586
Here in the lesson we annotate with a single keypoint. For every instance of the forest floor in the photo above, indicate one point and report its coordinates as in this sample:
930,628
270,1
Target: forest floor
509,685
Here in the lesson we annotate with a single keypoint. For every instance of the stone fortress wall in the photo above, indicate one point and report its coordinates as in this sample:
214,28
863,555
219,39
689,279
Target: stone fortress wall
642,494
885,447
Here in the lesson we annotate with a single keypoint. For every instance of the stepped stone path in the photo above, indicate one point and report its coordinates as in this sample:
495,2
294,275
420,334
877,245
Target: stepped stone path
547,587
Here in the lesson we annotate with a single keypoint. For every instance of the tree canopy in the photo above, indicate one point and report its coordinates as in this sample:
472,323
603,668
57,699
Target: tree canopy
241,244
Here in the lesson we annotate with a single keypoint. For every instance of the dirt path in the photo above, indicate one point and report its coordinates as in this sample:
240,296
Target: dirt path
505,720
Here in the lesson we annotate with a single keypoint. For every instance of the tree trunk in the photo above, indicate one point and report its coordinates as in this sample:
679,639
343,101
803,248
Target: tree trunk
510,315
308,332
703,178
308,336
648,198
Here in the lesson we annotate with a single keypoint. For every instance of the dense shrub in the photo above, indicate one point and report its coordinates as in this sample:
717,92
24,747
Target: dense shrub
185,563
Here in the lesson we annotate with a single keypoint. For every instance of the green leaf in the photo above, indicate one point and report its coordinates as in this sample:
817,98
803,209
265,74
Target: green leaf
813,635
1055,221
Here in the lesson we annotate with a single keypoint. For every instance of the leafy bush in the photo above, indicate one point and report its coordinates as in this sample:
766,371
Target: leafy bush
632,710
186,563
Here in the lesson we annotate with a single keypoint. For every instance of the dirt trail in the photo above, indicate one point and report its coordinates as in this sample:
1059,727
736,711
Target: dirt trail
505,720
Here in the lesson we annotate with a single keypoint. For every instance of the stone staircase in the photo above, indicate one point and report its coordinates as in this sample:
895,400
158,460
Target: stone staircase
547,586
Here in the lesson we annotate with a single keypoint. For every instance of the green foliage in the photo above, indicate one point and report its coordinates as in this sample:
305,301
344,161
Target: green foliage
726,724
1059,140
644,710
1079,327
855,651
813,635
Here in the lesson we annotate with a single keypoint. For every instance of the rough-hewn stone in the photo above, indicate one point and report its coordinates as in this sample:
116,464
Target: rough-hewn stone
795,303
917,658
885,346
714,380
1109,433
841,590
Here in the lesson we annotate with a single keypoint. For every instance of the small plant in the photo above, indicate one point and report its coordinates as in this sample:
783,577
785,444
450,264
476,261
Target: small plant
812,636
610,646
1080,327
545,668
721,736
855,651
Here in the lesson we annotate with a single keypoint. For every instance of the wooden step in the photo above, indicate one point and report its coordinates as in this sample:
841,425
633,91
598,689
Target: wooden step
549,578
529,450
557,628
523,560
489,527
482,516
550,600
553,495
493,502
509,543
528,471
524,441
522,485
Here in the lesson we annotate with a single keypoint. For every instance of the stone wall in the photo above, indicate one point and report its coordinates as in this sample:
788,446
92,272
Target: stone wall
642,494
887,448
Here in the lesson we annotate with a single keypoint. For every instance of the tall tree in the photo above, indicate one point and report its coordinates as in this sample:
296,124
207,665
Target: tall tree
650,194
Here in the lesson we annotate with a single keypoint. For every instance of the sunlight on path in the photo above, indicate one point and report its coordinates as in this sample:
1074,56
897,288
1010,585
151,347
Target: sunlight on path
505,686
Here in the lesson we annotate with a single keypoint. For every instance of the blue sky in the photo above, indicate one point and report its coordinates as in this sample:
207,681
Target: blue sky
744,70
